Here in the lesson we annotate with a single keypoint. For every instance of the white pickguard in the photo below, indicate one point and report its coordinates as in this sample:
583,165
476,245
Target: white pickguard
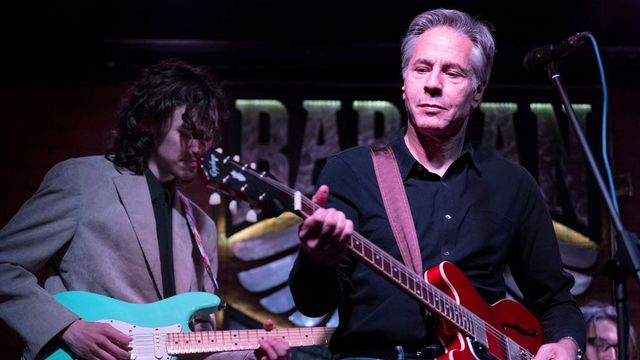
148,343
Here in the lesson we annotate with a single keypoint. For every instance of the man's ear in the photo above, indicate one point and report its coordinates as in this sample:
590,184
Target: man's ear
477,97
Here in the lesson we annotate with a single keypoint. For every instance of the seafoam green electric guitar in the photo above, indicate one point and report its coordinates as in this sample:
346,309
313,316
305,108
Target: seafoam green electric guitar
160,330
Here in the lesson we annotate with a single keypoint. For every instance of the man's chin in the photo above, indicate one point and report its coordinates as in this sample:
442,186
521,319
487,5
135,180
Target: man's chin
186,176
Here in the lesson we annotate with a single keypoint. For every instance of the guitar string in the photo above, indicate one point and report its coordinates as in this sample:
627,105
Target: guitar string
500,336
490,329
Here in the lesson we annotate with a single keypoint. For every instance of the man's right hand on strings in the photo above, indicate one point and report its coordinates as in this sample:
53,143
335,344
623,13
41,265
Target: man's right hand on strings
94,340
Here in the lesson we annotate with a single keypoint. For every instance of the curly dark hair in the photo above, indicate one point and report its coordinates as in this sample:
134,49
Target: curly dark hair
151,102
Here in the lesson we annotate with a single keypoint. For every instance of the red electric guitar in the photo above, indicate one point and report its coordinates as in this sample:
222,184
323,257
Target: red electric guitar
469,327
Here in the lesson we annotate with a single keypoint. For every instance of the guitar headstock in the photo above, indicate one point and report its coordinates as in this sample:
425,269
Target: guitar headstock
238,180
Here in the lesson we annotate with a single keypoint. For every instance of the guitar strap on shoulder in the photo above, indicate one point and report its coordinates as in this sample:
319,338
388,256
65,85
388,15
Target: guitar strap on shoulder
396,205
186,206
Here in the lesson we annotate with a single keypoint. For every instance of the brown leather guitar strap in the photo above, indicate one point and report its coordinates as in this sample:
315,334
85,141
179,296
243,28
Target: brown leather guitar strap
396,205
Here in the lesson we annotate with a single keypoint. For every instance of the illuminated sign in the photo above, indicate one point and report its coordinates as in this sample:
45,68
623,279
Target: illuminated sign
558,156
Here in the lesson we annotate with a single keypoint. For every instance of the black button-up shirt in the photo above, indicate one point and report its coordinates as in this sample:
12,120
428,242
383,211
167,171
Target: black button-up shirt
483,214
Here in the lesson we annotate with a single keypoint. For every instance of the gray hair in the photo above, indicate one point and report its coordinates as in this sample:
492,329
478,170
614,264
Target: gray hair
596,310
478,31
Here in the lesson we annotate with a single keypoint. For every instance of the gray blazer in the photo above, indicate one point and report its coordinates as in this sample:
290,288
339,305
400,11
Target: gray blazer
90,227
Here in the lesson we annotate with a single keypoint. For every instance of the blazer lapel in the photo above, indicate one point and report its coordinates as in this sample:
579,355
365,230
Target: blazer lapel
136,199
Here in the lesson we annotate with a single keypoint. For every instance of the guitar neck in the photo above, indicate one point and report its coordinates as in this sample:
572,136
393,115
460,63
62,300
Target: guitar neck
201,342
408,281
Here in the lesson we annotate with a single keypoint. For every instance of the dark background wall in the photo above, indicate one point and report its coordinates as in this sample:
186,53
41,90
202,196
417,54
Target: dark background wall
64,67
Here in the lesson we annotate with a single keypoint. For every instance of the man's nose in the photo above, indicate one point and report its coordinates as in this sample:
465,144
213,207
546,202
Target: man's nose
433,82
198,146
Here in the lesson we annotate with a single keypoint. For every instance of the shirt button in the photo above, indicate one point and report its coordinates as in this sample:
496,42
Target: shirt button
448,217
446,253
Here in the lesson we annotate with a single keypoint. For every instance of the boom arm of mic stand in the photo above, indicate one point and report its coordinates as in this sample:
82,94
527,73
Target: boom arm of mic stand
622,236
628,244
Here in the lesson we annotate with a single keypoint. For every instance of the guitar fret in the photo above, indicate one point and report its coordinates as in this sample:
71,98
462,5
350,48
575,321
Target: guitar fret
463,319
445,308
197,341
403,278
456,315
452,311
467,324
225,341
411,283
377,260
217,341
356,245
233,335
206,341
367,253
386,265
441,306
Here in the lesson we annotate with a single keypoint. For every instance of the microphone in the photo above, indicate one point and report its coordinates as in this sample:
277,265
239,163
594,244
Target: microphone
540,57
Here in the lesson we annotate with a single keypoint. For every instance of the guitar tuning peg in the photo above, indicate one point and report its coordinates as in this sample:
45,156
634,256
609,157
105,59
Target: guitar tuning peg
219,150
214,199
233,207
236,158
251,216
253,165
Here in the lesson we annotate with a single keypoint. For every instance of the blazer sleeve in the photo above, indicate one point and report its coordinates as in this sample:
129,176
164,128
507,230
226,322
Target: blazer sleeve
41,230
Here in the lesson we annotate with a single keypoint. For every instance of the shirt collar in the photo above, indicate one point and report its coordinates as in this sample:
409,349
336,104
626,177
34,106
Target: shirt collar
406,161
158,189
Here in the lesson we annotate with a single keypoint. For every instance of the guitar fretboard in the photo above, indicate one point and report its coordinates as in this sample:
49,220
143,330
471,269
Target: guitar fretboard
200,342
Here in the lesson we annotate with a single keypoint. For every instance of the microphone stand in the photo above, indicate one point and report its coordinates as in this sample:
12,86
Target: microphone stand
615,268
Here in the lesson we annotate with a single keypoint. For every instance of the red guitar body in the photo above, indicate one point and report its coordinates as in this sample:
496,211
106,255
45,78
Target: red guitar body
507,316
